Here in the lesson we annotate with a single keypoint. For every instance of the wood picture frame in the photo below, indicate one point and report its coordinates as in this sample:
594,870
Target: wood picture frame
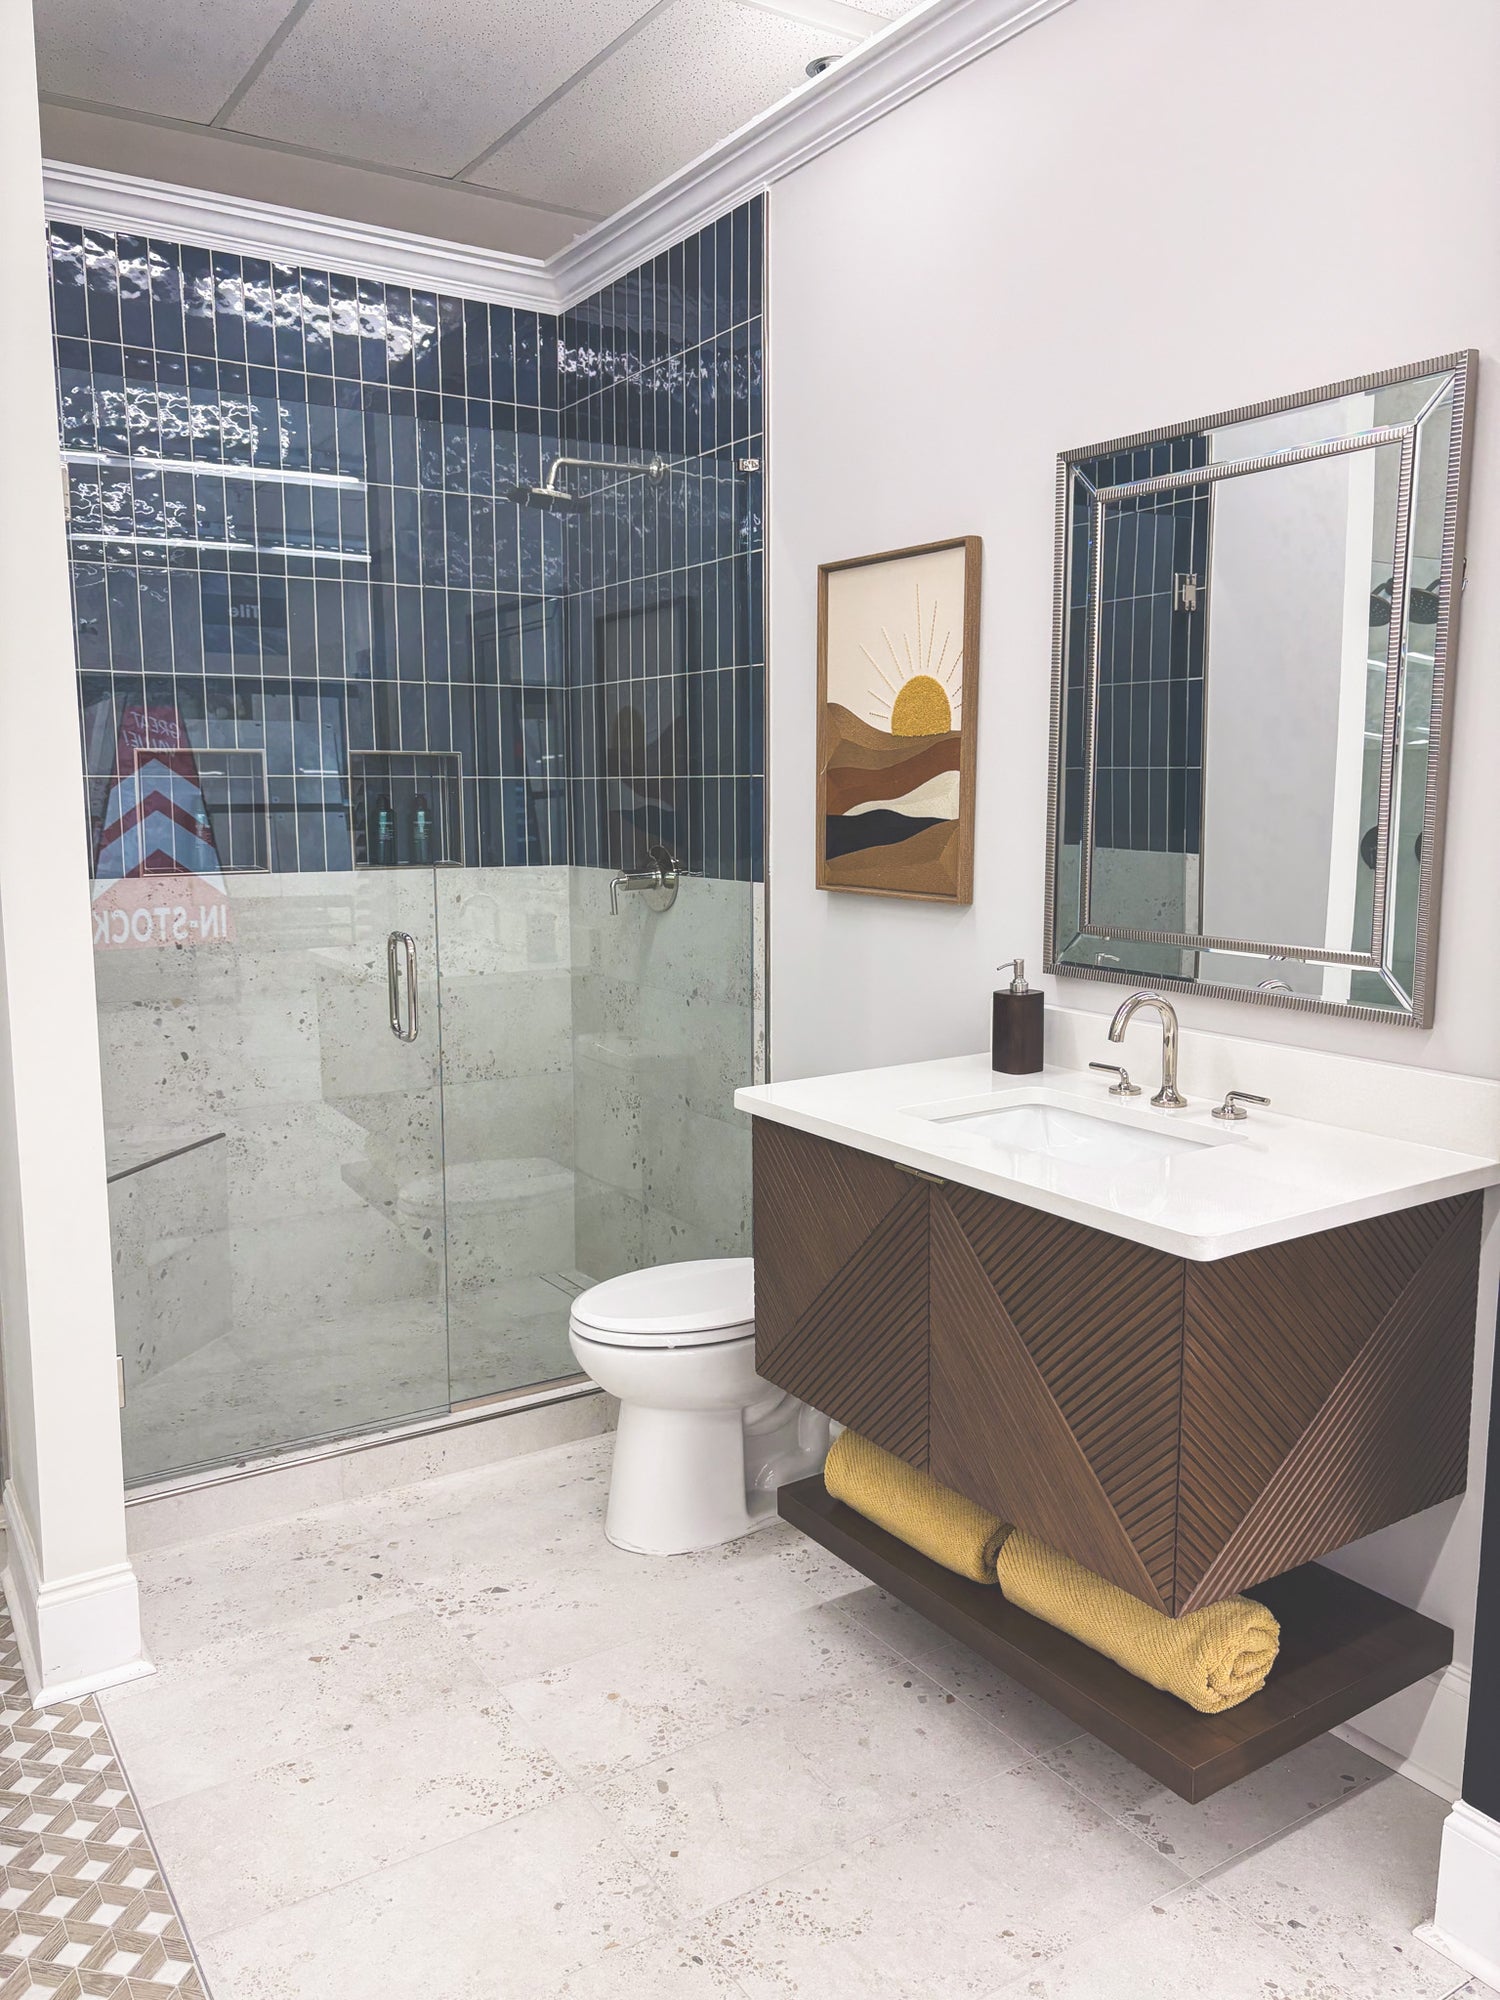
897,716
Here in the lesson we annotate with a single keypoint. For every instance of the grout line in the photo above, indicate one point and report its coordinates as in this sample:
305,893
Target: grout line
278,35
570,82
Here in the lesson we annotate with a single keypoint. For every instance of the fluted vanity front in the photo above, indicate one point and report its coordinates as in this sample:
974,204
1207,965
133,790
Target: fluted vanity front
1193,1354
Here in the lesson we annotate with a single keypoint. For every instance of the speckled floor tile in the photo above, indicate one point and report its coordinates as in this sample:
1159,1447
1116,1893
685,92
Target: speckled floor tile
1344,1890
950,1904
448,1741
1025,1716
723,1816
241,1849
501,1915
1200,1837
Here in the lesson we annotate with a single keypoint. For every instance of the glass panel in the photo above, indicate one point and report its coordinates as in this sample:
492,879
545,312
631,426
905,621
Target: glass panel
283,1279
508,1125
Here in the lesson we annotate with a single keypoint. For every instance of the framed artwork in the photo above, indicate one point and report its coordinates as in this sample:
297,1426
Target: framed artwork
898,673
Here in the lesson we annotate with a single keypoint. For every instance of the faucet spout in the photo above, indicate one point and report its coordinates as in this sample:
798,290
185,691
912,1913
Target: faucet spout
1169,1097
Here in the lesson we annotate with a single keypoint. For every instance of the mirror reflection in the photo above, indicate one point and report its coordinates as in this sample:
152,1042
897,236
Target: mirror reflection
1249,696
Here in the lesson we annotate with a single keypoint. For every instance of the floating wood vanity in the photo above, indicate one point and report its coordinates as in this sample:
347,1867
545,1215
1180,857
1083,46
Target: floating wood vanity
1080,1344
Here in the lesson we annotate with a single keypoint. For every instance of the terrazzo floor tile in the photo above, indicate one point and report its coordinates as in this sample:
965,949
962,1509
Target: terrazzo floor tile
726,1815
1343,1891
499,1915
1181,1947
950,1904
241,1849
448,1742
637,1702
228,1710
1021,1714
1200,1837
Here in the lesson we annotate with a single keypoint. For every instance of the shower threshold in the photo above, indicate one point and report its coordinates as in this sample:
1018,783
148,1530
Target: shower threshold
343,1444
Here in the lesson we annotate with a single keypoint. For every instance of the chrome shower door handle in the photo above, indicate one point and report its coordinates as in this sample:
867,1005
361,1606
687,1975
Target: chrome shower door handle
403,1018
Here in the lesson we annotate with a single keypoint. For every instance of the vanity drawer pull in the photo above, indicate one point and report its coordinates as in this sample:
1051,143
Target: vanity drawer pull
916,1174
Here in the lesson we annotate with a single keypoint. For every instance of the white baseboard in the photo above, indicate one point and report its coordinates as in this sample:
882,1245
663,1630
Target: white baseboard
1419,1732
77,1634
1467,1925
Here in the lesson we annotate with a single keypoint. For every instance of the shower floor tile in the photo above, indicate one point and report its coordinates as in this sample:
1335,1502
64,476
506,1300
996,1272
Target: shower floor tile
83,1906
448,1740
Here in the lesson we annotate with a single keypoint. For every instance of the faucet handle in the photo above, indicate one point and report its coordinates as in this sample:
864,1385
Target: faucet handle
1124,1088
1230,1108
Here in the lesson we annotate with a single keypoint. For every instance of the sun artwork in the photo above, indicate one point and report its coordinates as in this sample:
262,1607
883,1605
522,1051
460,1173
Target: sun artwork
893,722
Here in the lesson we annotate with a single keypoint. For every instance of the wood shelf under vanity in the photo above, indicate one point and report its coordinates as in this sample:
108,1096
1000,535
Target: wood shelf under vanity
1343,1648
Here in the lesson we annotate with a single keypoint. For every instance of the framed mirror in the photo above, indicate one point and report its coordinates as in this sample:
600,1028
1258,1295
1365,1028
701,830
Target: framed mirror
1254,626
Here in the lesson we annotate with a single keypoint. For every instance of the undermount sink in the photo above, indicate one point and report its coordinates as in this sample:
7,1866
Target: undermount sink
1063,1134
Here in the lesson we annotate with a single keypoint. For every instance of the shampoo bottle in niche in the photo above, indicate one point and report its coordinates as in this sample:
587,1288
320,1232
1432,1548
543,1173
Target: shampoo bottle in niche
1016,1040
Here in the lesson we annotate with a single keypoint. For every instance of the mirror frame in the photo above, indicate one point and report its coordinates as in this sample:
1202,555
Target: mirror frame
1461,366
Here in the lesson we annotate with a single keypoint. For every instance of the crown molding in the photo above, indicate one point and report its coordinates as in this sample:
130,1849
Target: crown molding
913,53
89,195
916,51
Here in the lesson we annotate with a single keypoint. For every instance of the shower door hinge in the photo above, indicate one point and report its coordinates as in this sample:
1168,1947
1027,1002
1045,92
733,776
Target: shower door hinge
120,1378
1185,589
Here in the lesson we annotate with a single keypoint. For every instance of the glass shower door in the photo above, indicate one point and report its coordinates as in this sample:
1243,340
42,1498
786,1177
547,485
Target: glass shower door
272,1080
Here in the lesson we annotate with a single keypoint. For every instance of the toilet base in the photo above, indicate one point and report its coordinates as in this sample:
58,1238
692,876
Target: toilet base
678,1481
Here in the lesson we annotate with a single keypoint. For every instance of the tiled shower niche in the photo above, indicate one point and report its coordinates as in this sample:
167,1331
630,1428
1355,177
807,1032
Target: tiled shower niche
309,591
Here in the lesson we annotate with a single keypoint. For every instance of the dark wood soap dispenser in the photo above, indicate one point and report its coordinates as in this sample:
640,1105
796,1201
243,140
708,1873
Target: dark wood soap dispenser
1016,1039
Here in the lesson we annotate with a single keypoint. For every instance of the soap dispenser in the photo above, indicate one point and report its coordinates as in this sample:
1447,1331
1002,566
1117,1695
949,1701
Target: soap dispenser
1016,1042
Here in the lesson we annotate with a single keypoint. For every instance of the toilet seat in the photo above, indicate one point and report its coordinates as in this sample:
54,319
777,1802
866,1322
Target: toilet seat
700,1304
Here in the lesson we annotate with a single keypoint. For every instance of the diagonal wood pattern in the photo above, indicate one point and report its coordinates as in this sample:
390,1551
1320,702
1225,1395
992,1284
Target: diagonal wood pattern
1185,1429
1102,1321
841,1285
1390,1436
999,1435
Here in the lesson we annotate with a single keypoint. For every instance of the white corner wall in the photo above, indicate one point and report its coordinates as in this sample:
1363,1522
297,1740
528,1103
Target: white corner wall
69,1584
1125,216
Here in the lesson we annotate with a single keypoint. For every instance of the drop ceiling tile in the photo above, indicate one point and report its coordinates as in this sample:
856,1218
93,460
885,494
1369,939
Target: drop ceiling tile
689,76
422,83
178,58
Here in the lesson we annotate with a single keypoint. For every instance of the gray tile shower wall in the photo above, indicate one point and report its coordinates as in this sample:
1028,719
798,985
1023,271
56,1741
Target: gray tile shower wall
315,629
664,600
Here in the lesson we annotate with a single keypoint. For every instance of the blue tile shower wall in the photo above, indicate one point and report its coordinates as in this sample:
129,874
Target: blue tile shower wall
1148,781
664,604
290,534
294,543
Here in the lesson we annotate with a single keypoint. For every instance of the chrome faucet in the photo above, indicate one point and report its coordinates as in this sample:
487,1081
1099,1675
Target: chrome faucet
1169,1097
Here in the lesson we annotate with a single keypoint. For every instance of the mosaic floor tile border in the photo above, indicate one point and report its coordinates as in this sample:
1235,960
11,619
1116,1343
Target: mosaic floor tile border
84,1911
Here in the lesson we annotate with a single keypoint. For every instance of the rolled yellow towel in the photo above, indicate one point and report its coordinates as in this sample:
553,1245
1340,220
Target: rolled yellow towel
1213,1658
944,1525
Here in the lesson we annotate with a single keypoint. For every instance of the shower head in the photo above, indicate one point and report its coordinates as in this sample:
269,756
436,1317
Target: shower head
550,498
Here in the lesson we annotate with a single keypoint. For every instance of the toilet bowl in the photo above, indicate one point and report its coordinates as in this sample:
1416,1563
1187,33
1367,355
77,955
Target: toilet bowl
702,1441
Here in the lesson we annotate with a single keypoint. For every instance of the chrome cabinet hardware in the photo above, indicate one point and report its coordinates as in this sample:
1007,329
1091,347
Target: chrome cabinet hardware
1230,1108
1124,1088
401,984
1169,1097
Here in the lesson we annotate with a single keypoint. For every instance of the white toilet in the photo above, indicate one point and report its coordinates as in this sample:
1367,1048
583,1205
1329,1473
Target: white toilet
702,1442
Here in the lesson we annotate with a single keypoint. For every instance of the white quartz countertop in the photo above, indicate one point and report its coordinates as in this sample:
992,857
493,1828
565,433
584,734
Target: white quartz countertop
1221,1188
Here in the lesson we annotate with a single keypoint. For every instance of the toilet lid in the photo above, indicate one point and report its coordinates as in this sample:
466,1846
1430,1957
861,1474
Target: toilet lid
671,1303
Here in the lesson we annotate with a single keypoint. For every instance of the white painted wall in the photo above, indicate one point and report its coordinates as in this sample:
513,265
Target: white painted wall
978,281
71,1590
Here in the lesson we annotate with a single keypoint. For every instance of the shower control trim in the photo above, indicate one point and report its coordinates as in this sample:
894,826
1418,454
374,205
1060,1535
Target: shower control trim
658,883
401,984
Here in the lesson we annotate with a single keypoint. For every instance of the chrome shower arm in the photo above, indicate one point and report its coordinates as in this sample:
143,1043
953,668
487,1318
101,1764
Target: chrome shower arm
653,469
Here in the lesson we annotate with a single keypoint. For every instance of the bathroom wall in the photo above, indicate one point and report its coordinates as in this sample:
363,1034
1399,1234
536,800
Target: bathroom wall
1326,220
666,707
